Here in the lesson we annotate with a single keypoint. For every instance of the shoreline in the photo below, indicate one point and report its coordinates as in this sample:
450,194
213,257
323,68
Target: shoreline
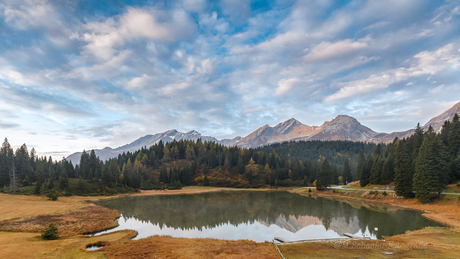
118,246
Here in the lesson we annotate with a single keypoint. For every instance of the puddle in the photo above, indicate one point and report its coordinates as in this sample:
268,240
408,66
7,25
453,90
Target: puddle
93,247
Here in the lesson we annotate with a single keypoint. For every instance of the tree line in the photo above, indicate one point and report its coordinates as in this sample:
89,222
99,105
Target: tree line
420,165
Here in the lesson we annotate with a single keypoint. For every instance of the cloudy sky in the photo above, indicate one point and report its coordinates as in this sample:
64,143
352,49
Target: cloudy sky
89,74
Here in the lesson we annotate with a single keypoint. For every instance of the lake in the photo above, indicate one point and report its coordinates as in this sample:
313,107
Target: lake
258,216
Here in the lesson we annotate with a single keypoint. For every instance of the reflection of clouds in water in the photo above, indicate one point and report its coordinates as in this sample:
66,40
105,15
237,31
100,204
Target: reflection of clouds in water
252,231
256,216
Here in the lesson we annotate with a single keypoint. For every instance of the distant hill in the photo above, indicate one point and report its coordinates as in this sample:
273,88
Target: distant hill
342,127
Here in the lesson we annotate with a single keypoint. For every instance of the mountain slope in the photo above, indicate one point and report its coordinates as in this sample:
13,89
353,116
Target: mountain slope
439,120
343,127
285,131
149,140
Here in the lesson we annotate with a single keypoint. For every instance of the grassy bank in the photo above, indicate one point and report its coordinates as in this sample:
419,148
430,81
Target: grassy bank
28,215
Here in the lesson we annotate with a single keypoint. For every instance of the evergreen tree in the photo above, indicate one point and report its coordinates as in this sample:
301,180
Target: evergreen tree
189,153
26,181
388,170
403,175
366,171
347,177
206,181
240,165
5,163
40,179
84,166
63,180
51,183
227,163
323,180
81,184
454,136
428,170
359,167
376,171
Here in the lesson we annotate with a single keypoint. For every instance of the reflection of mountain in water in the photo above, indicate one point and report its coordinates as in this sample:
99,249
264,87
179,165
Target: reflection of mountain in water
287,210
294,224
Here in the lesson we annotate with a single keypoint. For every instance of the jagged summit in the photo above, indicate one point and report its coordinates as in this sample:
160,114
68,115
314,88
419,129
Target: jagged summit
439,120
342,127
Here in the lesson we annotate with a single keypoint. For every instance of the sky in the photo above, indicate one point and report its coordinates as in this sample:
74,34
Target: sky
83,74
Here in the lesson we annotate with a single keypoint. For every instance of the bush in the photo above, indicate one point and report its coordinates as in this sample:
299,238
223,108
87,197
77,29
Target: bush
309,190
384,193
52,196
51,233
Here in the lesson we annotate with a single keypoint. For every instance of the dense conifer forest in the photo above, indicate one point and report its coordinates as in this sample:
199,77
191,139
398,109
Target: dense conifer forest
421,165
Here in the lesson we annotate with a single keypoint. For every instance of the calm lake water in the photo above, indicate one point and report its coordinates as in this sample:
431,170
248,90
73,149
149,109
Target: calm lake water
258,216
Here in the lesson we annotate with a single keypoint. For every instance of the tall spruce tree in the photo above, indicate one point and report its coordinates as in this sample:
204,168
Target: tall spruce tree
403,175
347,171
5,163
388,169
366,171
428,170
323,179
359,167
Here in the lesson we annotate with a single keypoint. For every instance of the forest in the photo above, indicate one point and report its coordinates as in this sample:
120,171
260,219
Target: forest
421,165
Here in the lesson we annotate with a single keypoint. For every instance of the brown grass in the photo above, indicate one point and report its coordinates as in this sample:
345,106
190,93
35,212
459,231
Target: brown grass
30,245
85,220
15,206
352,248
168,247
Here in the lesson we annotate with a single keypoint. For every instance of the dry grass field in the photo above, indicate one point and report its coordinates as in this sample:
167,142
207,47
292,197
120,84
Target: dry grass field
168,247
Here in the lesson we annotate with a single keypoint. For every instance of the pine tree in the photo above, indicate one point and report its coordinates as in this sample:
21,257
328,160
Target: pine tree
323,179
454,136
388,170
428,170
376,171
189,153
84,166
227,163
347,172
5,163
205,181
63,180
240,165
40,179
403,175
359,167
366,171
81,184
166,154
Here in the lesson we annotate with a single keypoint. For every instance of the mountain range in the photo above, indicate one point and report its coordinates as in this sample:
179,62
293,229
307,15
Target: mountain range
342,127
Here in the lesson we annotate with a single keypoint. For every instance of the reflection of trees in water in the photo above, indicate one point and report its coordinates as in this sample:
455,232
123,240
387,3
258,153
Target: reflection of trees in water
209,210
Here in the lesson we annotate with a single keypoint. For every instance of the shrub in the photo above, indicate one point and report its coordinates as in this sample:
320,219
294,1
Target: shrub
51,233
309,190
384,193
52,196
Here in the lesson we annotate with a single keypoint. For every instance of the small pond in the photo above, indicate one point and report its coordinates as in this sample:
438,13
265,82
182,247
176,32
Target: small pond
258,216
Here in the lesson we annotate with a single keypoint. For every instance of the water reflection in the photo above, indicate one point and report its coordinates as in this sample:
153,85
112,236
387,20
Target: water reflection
258,216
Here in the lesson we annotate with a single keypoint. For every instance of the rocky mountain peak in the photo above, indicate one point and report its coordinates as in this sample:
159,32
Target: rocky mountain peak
439,120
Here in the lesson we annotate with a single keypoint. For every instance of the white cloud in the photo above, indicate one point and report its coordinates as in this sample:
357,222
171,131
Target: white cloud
327,50
106,70
377,25
103,38
139,82
284,85
426,63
